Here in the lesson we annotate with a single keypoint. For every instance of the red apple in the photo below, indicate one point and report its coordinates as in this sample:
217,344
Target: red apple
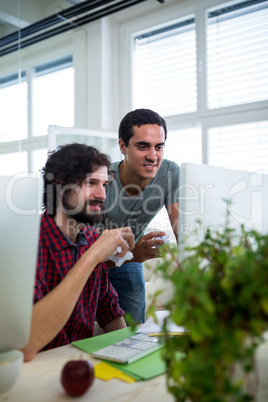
77,376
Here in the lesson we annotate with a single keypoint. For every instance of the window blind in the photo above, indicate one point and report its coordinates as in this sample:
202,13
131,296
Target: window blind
240,146
164,69
237,54
53,66
53,92
13,107
12,79
184,145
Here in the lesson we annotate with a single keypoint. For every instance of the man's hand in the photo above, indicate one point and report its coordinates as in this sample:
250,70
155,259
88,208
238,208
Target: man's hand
108,242
146,247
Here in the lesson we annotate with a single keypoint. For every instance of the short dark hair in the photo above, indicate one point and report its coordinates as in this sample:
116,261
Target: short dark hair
139,117
69,164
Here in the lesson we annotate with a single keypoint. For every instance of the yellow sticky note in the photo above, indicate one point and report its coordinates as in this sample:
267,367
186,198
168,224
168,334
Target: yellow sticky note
105,372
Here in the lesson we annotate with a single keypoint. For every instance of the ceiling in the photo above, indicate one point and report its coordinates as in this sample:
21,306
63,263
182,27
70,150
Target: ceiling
15,14
25,22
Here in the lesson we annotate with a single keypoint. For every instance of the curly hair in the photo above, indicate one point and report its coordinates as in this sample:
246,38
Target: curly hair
139,117
69,164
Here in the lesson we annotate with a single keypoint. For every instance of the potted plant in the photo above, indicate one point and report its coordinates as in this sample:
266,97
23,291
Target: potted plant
220,296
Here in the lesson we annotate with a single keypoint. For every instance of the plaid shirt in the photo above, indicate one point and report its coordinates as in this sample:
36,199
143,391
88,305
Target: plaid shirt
98,300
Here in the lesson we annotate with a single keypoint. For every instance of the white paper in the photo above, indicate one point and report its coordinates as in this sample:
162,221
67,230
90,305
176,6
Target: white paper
150,327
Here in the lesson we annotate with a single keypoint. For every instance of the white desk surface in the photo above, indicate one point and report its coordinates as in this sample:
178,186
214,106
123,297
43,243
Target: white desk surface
39,381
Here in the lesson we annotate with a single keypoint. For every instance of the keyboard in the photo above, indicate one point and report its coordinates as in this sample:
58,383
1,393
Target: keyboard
130,349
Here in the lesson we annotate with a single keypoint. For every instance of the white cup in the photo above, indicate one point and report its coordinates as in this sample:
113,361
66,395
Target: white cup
10,367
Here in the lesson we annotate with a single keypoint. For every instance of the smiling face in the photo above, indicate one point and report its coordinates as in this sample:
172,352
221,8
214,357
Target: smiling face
85,203
144,153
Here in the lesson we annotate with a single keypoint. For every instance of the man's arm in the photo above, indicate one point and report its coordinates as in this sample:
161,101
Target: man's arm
145,248
52,312
117,323
173,213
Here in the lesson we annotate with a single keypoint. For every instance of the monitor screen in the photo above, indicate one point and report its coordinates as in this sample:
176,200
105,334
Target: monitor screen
20,205
203,191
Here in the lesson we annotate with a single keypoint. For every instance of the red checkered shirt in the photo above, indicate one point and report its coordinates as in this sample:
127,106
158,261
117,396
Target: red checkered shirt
98,300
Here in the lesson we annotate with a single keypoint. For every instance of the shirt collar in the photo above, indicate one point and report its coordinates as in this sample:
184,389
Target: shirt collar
58,240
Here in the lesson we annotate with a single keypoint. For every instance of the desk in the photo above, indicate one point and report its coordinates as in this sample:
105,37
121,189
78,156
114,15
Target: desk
40,381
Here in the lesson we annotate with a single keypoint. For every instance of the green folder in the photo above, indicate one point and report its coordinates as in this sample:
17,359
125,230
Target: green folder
143,369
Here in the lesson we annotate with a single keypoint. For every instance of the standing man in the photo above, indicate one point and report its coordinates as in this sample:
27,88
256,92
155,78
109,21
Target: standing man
144,183
72,289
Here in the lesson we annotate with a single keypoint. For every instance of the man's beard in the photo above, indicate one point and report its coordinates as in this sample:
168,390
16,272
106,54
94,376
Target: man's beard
82,216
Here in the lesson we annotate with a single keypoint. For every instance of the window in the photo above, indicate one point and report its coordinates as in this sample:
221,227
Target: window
240,146
39,157
13,163
238,54
184,145
13,106
164,77
53,95
219,87
23,146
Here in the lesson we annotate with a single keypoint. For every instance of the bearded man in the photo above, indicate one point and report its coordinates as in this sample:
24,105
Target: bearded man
72,289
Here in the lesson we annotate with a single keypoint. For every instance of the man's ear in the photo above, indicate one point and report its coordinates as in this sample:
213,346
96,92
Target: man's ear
122,146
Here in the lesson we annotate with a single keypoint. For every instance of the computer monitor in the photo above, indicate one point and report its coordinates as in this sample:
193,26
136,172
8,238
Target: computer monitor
203,191
20,205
